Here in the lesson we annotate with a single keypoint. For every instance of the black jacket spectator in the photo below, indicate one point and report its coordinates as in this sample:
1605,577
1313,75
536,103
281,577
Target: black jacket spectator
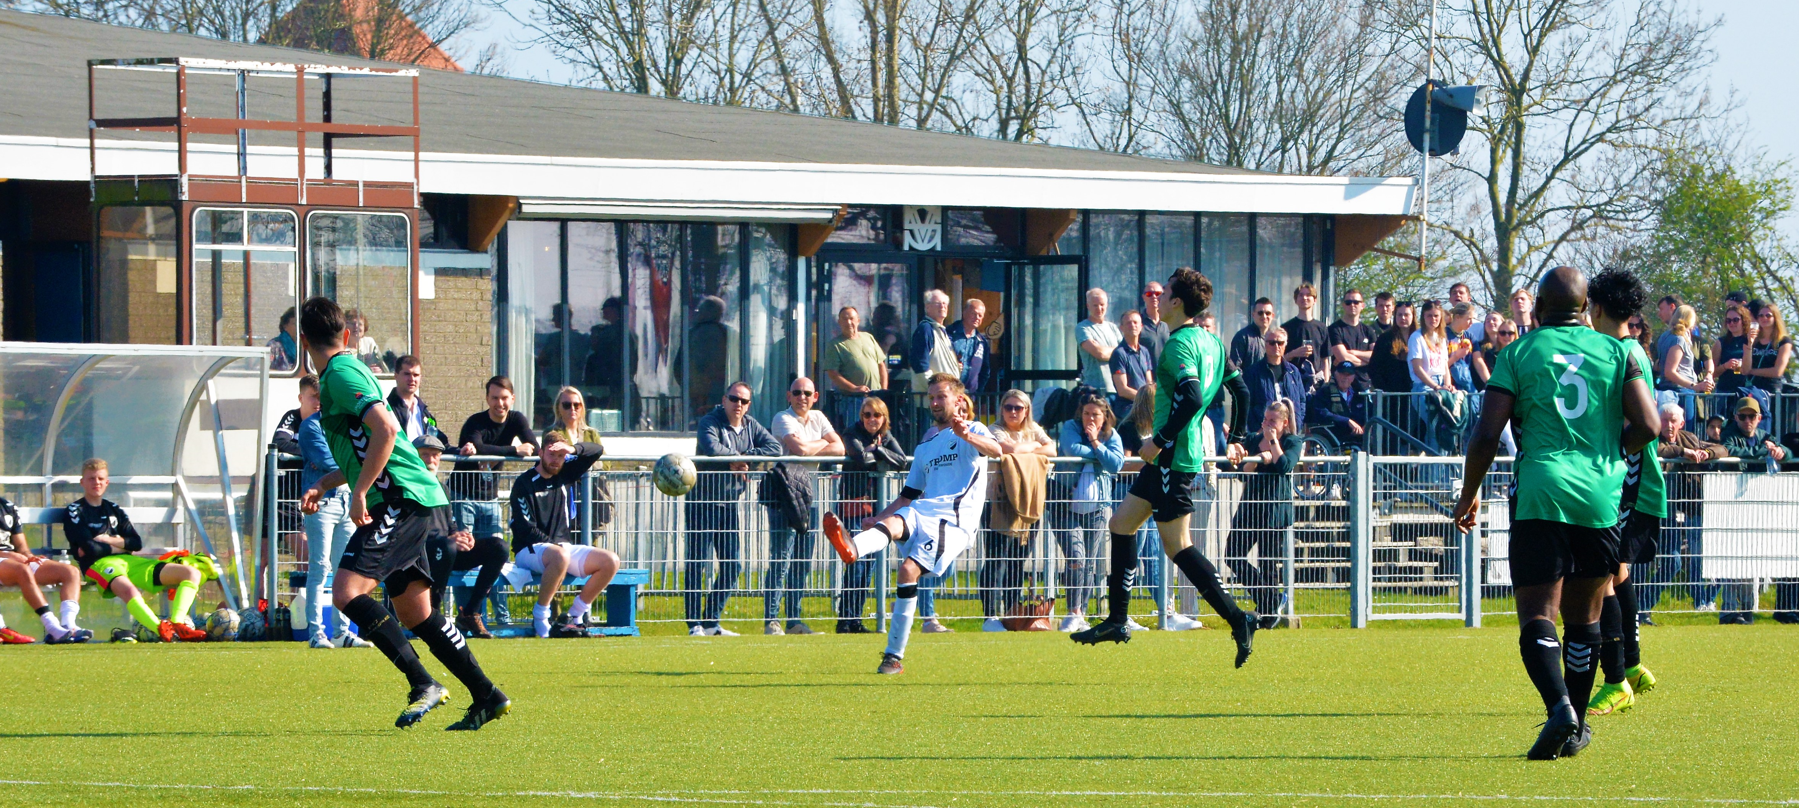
1359,337
1388,371
718,439
864,454
489,438
1329,409
423,415
1247,346
287,436
540,512
1748,447
1265,386
976,353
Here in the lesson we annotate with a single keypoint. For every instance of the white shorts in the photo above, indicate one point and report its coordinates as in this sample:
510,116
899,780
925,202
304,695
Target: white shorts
933,543
531,558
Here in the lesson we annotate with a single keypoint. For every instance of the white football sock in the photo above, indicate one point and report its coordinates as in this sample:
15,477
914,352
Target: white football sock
580,609
52,627
70,610
2,622
540,620
869,542
900,627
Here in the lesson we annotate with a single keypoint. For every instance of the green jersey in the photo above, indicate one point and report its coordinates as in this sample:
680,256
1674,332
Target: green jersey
1191,353
1652,490
1569,385
346,392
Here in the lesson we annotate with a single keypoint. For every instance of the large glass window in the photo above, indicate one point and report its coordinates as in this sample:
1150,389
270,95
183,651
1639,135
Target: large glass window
1224,257
655,318
136,276
708,358
1280,262
1167,244
246,281
1112,260
968,227
1071,242
768,324
600,349
862,226
364,262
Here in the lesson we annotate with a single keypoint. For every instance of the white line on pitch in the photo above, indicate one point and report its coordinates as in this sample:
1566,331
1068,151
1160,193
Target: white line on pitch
670,797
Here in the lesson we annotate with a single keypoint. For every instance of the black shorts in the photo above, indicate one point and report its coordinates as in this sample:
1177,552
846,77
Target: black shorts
1168,492
1641,533
1543,552
391,547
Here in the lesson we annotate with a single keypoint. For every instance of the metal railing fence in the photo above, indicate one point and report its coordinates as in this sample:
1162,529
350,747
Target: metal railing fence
1342,540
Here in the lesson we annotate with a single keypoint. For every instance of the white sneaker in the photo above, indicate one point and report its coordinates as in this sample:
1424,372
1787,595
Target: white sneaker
773,628
720,631
348,640
933,626
1181,622
1133,625
540,627
697,631
1072,623
992,624
319,640
1708,607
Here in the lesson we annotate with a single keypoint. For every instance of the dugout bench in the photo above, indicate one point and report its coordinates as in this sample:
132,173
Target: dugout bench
620,603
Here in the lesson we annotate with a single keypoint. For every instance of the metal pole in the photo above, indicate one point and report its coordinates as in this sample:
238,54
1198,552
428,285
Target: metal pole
1430,57
1287,571
1471,601
243,135
1361,538
587,509
1162,599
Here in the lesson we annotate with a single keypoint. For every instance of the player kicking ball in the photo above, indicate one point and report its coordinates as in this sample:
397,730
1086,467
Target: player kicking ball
1193,368
30,573
104,543
936,515
396,504
1570,392
541,531
1616,295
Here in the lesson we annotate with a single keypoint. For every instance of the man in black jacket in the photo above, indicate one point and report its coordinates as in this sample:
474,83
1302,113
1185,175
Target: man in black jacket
541,533
409,408
502,431
728,430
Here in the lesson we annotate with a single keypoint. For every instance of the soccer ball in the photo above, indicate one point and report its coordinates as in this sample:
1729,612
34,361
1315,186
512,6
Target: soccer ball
222,625
251,626
674,475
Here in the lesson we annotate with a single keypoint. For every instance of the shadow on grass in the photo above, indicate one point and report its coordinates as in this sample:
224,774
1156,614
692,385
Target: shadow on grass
828,685
342,733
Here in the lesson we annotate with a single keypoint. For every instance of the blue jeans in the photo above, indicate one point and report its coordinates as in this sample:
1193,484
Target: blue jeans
927,591
711,534
1421,409
1083,539
1677,556
327,531
789,562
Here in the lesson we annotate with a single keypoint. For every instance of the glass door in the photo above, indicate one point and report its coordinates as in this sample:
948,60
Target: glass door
1044,303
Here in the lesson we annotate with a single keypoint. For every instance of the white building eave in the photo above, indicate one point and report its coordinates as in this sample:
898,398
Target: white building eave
725,184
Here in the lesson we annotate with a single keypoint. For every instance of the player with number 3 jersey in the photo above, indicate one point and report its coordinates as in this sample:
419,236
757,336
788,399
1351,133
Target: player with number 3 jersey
1578,404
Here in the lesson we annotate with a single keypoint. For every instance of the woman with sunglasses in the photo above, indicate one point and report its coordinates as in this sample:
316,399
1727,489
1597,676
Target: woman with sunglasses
869,449
1732,352
1002,575
571,428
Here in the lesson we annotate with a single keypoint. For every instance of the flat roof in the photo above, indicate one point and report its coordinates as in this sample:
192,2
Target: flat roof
491,135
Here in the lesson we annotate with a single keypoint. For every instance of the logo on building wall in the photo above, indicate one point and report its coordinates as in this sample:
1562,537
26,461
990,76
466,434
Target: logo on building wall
924,227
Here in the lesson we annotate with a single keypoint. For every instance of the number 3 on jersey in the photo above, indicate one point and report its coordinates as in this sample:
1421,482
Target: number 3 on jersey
1571,378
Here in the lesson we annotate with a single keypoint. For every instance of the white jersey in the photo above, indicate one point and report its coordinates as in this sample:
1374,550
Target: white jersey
951,475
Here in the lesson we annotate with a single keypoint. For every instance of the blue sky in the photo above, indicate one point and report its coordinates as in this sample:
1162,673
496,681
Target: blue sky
1756,57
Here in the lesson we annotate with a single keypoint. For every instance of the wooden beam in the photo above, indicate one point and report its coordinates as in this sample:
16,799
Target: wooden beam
812,236
486,215
1043,228
1359,234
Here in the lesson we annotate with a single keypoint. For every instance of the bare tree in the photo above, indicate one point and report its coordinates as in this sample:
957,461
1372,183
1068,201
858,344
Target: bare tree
1025,66
1114,113
1583,94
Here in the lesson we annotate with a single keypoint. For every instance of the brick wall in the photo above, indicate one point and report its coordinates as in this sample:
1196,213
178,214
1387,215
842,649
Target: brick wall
456,329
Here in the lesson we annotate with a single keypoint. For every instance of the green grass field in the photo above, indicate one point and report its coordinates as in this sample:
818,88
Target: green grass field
1420,716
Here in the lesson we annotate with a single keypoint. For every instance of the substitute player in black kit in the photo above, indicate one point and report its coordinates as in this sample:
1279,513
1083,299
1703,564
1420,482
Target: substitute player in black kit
396,504
1578,404
541,529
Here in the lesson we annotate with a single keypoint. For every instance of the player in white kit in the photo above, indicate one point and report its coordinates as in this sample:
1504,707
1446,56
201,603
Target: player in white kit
937,513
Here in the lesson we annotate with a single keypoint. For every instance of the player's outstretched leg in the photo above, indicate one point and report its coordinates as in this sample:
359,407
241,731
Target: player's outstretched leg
486,702
1119,580
378,625
1204,577
1542,655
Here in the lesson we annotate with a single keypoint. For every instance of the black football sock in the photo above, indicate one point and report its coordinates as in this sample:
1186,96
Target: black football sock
491,554
1121,577
448,645
1204,578
1542,654
377,625
1580,644
1626,593
1611,629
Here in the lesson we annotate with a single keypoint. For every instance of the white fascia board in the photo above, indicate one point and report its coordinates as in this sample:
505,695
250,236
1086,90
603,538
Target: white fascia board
750,183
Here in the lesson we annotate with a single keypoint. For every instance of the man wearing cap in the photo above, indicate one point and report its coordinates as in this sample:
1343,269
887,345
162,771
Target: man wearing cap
1340,408
1745,438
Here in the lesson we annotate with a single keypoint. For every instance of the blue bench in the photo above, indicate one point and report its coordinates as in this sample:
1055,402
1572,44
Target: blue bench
621,603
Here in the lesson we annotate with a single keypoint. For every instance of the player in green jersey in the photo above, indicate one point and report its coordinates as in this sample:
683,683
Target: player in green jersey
1572,396
1189,374
396,503
1616,295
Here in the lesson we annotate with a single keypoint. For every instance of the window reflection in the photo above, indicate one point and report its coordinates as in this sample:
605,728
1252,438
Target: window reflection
135,274
363,261
1112,261
246,281
1224,257
1280,262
